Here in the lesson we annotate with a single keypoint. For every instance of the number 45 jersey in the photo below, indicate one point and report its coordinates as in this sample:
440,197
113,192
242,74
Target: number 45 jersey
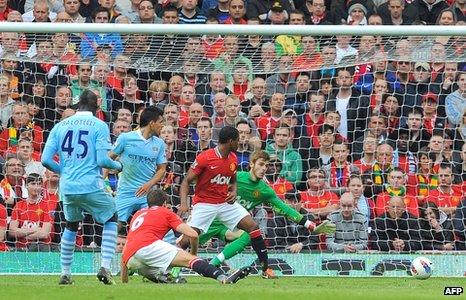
214,173
76,140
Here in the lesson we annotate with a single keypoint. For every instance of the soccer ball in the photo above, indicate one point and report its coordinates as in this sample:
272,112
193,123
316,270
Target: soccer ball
421,268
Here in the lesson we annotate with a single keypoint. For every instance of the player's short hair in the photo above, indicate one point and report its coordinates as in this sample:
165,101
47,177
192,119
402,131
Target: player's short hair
227,134
87,101
156,197
33,177
258,155
149,114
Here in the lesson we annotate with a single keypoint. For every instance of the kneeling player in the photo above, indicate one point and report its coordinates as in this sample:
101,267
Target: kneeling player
146,253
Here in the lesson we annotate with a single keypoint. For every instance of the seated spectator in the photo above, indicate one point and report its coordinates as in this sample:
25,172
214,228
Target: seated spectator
219,114
367,161
316,13
31,223
310,58
291,44
362,204
381,169
459,225
351,227
84,81
51,190
283,81
220,10
247,144
376,127
91,41
230,57
272,176
316,199
396,186
391,108
204,131
436,228
429,10
21,126
456,101
357,13
299,101
284,234
447,196
291,159
29,158
130,100
205,93
256,103
314,117
267,123
397,15
189,13
6,102
344,49
158,93
340,168
396,230
240,84
402,157
320,156
332,118
3,226
261,9
237,13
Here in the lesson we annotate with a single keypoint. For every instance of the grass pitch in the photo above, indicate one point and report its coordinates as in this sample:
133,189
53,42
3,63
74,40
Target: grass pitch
256,288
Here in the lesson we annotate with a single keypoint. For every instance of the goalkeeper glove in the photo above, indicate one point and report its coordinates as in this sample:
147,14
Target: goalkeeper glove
325,227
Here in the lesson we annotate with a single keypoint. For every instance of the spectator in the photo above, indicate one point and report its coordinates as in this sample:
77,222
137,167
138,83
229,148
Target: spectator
247,144
356,189
396,230
6,103
12,186
112,8
92,41
272,176
189,13
353,109
72,9
396,186
310,58
31,223
377,127
267,123
314,117
3,227
83,81
21,126
291,44
340,168
130,98
316,13
316,199
283,81
432,120
230,58
436,228
402,157
256,103
171,115
357,13
158,93
146,13
320,156
54,111
291,160
456,101
237,13
39,13
119,126
351,227
395,14
367,160
447,197
29,158
381,169
391,108
219,9
219,115
418,136
429,10
205,94
4,10
261,9
204,131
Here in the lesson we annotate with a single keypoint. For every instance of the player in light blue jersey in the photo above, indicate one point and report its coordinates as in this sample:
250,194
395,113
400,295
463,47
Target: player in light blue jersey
82,143
144,161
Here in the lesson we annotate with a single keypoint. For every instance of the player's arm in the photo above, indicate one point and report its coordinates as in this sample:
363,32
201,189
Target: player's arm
49,152
124,272
290,213
158,176
103,147
184,189
104,161
187,231
232,190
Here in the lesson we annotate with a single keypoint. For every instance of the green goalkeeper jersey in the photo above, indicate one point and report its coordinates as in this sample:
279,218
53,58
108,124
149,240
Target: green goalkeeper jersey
253,193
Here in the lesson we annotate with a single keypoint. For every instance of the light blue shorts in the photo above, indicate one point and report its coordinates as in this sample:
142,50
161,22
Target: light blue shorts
126,206
99,204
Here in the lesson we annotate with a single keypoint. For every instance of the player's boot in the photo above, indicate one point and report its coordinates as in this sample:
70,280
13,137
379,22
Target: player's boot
237,275
105,276
66,280
269,274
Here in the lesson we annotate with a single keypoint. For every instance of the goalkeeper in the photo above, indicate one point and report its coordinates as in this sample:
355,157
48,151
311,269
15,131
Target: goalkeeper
253,191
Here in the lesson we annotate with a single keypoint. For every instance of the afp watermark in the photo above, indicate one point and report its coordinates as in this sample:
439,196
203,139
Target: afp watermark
453,291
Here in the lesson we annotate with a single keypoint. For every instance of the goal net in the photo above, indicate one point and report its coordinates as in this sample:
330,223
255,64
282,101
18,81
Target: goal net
364,127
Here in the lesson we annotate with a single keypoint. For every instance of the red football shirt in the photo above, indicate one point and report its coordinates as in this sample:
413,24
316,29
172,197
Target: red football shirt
312,202
3,224
147,226
30,215
445,199
214,175
381,204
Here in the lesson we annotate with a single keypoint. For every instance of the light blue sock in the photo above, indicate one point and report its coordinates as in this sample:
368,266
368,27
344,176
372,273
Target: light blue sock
109,240
68,241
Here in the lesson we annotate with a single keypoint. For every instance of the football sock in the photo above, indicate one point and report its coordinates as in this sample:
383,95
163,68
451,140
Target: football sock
231,249
258,244
202,267
109,240
68,241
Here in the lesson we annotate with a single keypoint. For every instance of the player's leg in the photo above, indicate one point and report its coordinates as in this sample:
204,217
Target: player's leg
73,214
234,215
102,207
239,241
202,216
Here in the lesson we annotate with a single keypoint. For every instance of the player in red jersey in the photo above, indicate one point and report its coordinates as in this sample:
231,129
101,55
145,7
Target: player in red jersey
145,251
215,194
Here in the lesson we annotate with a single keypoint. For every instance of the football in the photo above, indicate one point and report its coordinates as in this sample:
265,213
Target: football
421,268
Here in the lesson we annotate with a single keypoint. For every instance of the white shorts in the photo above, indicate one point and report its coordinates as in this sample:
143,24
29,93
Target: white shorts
204,213
157,255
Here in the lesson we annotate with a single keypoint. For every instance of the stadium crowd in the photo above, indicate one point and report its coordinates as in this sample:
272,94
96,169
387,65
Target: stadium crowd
368,132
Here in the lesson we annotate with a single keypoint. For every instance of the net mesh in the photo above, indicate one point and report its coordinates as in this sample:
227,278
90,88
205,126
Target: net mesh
387,108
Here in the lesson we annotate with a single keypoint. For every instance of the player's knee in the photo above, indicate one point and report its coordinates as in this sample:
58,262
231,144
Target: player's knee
114,218
72,226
